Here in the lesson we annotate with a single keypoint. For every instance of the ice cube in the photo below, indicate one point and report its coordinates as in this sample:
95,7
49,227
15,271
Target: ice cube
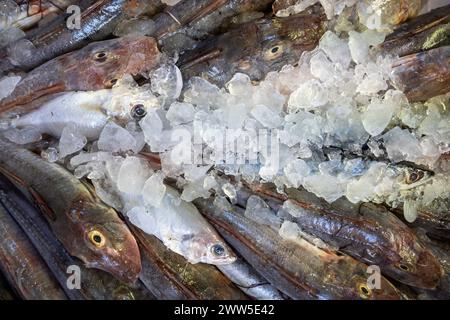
135,27
321,67
114,138
10,35
309,95
258,211
132,175
240,85
7,85
377,116
296,171
267,116
325,186
71,141
335,48
23,136
180,113
167,81
401,145
154,190
230,191
410,210
50,154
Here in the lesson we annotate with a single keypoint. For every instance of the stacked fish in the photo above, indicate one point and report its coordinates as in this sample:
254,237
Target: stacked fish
98,201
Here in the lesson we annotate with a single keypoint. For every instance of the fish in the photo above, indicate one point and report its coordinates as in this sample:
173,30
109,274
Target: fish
298,269
365,232
182,229
96,23
250,281
88,111
433,218
170,276
88,229
258,47
211,22
423,75
425,32
18,257
94,284
104,63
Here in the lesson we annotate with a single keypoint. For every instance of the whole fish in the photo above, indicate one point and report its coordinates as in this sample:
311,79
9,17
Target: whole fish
423,75
258,47
88,229
97,66
96,23
365,232
89,111
94,284
298,269
250,281
422,33
170,276
22,265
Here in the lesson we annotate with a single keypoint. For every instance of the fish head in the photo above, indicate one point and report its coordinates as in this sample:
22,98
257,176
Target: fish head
107,244
416,266
102,64
409,178
208,247
269,44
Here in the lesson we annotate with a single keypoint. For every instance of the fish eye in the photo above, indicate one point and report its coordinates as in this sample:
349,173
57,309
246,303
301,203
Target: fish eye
364,291
274,52
100,56
218,250
138,111
414,177
97,238
111,83
403,267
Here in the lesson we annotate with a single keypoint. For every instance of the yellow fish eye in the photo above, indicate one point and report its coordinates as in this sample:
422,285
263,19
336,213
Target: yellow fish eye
364,291
97,238
274,52
414,177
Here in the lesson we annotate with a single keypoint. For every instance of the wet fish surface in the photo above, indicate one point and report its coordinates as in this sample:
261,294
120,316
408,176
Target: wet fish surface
89,230
103,64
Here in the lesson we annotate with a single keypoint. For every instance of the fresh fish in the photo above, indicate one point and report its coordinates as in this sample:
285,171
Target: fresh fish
170,276
6,293
18,257
441,251
422,33
250,281
225,14
298,269
434,218
365,232
423,75
89,111
183,13
97,22
87,228
258,47
94,284
182,229
102,65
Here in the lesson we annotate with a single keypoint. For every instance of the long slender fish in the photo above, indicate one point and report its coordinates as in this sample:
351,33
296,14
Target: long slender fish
423,75
371,235
97,66
170,276
258,47
22,265
94,284
299,269
422,33
88,229
96,23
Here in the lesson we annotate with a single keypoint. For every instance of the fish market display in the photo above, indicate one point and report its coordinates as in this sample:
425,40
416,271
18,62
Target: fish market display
224,149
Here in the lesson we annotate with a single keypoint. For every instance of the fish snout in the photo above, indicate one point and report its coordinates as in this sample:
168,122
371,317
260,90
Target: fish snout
428,270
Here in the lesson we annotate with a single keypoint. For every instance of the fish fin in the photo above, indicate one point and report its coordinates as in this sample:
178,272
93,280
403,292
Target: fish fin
42,205
200,58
